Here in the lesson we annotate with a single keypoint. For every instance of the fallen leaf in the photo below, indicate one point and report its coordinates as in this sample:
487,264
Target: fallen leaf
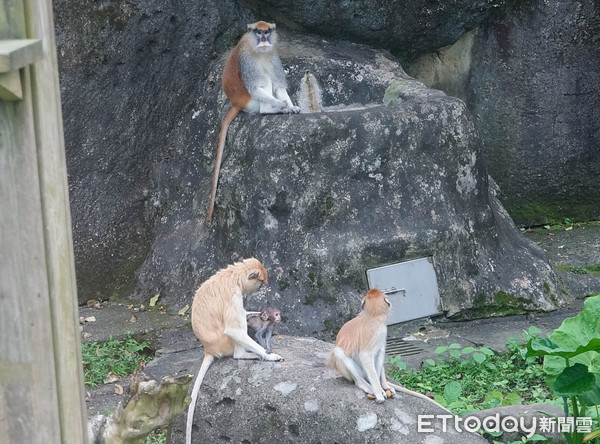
183,310
111,378
118,389
87,335
91,303
569,228
154,300
133,318
90,319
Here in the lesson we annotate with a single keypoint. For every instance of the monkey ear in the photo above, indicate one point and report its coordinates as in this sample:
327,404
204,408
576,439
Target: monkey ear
273,26
254,275
362,304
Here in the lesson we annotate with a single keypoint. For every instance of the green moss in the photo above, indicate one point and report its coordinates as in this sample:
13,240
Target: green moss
479,301
546,288
283,285
502,304
330,327
552,213
392,93
580,269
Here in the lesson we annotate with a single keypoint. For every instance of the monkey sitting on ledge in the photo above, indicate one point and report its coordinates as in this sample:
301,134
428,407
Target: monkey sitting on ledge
254,81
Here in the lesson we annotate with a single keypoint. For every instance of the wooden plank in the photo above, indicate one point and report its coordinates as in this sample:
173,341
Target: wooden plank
16,54
57,224
28,404
41,384
10,86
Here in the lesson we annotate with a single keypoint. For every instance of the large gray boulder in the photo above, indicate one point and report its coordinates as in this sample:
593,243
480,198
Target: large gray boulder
322,197
531,76
298,400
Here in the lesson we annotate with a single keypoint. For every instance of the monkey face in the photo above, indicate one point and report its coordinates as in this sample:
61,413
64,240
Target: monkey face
263,34
276,316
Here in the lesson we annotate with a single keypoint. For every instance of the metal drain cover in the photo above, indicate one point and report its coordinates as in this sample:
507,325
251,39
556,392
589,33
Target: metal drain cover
397,346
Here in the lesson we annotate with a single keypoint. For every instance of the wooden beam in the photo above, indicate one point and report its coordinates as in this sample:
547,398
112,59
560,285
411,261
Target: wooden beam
10,86
16,54
41,377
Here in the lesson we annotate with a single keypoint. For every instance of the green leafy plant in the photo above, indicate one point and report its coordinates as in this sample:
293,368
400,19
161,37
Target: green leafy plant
466,379
572,365
113,357
156,437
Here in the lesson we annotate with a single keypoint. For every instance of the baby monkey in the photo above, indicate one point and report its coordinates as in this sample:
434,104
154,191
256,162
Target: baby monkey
263,324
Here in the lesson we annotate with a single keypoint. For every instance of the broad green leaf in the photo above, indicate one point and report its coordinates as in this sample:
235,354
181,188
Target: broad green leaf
593,396
576,335
479,357
467,350
512,399
454,353
486,351
534,331
452,391
573,381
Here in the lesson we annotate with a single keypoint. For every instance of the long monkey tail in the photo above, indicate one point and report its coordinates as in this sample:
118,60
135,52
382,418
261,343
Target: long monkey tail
206,362
233,112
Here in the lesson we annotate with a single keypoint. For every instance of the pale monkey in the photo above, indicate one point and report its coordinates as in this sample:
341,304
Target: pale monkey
219,320
254,81
359,351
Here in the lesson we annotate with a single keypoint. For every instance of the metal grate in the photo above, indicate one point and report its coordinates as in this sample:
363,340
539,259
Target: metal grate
396,346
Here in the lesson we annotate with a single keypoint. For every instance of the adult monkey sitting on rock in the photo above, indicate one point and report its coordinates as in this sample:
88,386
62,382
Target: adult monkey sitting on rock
254,81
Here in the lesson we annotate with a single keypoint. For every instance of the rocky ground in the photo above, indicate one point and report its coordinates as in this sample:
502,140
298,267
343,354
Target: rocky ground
178,351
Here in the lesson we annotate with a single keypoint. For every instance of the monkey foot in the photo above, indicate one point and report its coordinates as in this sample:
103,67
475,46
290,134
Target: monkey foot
388,393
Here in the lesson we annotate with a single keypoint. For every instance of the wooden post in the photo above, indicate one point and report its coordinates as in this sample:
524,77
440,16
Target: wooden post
41,383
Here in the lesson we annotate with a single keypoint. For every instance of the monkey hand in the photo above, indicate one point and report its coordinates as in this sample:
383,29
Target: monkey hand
294,109
273,357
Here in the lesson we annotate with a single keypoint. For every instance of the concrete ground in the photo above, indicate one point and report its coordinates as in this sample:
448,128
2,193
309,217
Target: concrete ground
579,246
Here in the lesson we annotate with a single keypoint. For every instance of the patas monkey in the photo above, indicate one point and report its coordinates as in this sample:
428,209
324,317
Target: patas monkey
359,351
219,320
263,323
254,81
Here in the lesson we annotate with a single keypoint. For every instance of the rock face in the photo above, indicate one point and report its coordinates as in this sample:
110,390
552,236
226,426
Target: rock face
300,400
405,27
129,73
319,198
531,77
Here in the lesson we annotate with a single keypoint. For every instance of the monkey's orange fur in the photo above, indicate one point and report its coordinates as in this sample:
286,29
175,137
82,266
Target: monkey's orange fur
214,308
360,333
